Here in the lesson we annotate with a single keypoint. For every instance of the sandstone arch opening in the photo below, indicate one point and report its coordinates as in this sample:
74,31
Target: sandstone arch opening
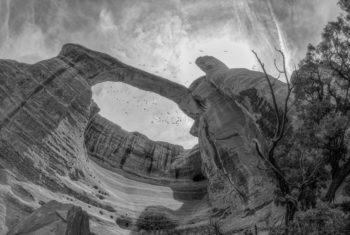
148,113
141,135
100,155
138,110
148,162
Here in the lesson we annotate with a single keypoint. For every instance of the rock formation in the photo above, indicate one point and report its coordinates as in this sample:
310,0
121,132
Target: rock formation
54,218
136,156
54,146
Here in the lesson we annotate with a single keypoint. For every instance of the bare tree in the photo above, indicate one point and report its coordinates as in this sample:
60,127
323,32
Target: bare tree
281,118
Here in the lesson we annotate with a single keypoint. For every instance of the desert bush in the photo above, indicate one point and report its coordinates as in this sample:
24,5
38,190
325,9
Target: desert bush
321,220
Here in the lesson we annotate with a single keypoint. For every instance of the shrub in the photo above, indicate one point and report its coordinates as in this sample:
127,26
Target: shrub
155,220
321,220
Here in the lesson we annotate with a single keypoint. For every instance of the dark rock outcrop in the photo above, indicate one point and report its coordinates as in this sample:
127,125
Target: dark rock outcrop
54,218
77,222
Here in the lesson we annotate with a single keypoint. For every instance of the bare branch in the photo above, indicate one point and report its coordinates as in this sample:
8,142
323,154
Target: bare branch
313,174
275,106
222,166
284,63
273,167
276,66
281,117
281,127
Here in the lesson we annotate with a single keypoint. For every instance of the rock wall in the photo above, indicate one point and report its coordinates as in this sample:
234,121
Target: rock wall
134,155
50,132
45,112
43,117
240,191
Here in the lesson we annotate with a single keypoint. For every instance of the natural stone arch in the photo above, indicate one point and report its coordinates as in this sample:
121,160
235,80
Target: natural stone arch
97,67
216,100
225,121
58,93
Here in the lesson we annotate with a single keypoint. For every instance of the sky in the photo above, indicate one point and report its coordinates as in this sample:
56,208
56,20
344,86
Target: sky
163,37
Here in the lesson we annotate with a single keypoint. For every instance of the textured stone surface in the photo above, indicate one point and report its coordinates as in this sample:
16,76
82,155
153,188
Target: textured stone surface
134,155
98,67
45,110
54,218
54,145
239,188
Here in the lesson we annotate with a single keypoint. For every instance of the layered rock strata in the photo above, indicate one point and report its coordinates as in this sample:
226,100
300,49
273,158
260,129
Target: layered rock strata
135,155
54,218
45,111
53,145
239,188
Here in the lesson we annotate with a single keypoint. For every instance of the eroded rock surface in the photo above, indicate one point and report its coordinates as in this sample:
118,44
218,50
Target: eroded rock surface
54,218
45,109
239,188
135,155
54,145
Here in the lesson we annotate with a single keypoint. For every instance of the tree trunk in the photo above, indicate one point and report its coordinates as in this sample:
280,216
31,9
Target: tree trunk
333,187
337,180
290,211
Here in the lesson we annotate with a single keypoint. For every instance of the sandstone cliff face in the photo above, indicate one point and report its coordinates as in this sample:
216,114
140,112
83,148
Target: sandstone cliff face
136,155
236,114
43,116
53,145
45,110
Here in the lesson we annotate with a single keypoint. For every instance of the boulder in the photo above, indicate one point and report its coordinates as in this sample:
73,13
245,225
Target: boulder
54,218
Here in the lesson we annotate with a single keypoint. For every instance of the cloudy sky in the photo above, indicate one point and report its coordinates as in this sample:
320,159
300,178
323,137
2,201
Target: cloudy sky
163,37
